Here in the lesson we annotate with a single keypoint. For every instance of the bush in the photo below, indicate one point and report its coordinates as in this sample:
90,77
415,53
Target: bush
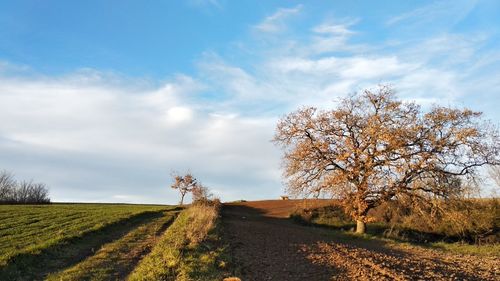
459,219
201,194
24,192
469,220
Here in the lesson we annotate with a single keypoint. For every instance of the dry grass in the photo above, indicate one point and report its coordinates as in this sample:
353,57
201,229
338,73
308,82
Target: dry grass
201,221
468,220
183,252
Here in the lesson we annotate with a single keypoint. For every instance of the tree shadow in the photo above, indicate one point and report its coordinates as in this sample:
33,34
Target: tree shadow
270,248
66,253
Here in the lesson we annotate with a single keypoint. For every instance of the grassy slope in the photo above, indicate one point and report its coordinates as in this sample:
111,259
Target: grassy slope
190,249
116,259
463,248
209,260
35,240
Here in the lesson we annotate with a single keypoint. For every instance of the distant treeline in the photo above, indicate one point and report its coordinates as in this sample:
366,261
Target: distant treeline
21,192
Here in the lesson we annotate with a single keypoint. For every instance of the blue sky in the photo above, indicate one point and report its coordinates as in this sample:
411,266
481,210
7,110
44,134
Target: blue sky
103,99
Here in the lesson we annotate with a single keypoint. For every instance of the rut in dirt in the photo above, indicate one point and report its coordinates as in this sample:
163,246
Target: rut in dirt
274,248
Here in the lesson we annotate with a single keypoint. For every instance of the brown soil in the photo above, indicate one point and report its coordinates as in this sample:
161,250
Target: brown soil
283,208
267,246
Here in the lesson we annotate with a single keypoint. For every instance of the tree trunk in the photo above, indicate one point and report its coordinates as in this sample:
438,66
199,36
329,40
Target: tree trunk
360,227
182,198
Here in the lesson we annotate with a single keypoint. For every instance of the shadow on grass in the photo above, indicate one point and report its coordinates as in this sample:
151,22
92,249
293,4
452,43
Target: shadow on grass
35,266
380,230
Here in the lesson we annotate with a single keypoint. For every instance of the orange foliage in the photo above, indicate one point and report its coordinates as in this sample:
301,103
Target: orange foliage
373,147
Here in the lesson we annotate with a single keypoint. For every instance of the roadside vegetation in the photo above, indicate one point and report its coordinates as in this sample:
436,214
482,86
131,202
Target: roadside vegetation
39,239
469,226
190,249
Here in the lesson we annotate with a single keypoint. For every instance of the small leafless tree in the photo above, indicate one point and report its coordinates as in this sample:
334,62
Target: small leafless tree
201,193
186,183
373,148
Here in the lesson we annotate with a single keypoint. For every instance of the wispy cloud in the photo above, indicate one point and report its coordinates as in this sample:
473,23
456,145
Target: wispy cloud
444,12
277,21
323,64
205,3
333,37
339,29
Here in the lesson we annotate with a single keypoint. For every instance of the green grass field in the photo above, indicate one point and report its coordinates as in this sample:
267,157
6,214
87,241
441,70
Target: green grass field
118,258
58,239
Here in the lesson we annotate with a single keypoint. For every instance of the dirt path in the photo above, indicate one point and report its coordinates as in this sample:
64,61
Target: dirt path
270,247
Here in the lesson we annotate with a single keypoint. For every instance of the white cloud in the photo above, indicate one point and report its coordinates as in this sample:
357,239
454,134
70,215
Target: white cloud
332,29
334,37
90,142
277,21
438,13
179,114
351,67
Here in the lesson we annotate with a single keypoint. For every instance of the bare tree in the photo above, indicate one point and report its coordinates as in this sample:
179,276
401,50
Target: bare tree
7,186
24,192
373,148
201,193
184,184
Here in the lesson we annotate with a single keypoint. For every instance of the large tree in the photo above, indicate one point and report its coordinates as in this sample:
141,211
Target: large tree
373,148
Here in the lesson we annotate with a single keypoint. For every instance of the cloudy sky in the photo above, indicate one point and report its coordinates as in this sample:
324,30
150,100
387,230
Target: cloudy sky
101,100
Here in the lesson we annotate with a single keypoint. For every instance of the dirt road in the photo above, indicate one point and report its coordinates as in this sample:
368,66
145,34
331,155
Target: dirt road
270,247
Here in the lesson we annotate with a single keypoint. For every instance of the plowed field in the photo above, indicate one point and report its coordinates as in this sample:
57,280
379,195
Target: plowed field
267,246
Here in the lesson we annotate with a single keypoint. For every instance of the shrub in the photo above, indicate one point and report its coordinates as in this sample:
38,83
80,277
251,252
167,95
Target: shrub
457,219
467,219
201,194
